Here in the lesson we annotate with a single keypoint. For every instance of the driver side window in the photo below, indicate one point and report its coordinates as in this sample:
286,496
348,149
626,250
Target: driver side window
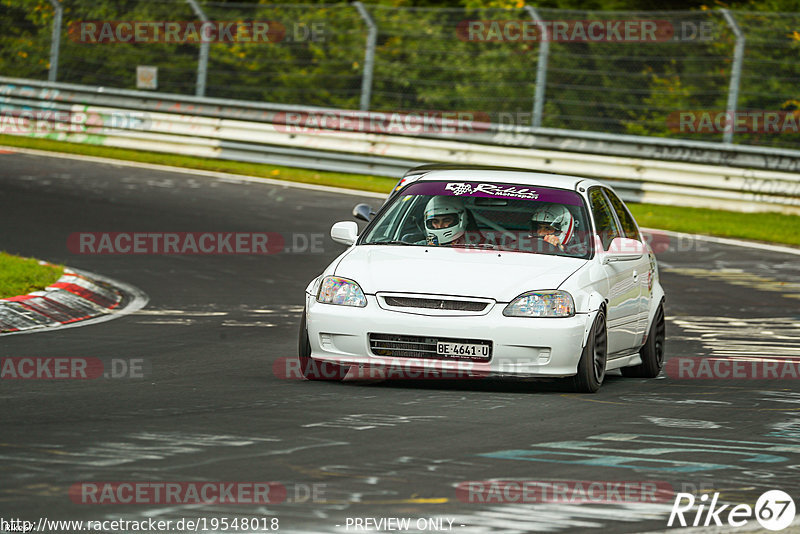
604,219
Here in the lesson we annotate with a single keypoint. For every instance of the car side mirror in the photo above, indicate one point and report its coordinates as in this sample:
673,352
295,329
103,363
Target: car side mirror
344,232
624,249
363,212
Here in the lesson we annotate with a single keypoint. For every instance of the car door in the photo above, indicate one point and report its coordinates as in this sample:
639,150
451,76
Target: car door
642,274
623,289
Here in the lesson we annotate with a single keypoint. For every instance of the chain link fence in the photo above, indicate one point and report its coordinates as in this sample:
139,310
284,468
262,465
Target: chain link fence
677,74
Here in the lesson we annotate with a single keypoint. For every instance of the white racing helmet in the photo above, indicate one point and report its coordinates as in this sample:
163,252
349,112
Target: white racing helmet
439,206
557,216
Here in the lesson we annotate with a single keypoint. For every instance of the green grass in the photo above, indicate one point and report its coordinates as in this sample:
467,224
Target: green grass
20,276
767,227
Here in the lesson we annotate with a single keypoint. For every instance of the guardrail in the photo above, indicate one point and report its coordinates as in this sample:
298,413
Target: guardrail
664,171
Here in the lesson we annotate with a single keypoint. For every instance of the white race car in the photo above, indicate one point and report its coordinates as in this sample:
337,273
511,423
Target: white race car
485,272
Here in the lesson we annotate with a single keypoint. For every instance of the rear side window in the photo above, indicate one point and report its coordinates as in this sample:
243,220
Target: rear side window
604,220
625,218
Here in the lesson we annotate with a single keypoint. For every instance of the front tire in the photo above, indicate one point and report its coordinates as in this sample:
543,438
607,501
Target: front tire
652,352
311,368
592,366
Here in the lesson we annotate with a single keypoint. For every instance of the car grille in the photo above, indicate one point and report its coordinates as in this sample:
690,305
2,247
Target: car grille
436,304
398,346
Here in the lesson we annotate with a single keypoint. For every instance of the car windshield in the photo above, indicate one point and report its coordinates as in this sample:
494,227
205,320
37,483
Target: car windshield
485,215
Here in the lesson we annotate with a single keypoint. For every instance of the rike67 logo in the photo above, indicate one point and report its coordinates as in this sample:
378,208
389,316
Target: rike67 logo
774,510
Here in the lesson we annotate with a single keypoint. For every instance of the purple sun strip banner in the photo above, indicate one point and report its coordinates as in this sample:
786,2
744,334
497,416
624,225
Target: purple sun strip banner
495,190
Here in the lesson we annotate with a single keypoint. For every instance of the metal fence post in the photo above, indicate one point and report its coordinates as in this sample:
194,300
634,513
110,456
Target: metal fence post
369,56
55,41
541,68
736,75
202,60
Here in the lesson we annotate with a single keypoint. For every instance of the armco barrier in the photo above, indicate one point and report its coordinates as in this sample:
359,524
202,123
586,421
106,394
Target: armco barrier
742,178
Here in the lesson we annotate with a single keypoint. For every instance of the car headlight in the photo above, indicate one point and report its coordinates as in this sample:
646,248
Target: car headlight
338,290
541,304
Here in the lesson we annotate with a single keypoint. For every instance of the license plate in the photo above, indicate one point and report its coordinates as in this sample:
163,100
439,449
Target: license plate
462,349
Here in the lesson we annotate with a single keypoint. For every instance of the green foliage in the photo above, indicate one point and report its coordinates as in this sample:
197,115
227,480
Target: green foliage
423,63
24,38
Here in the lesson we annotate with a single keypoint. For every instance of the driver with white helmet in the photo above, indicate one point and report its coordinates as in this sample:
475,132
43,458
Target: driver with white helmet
445,221
554,224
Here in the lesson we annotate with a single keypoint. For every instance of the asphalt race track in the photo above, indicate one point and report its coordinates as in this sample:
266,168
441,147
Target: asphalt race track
212,405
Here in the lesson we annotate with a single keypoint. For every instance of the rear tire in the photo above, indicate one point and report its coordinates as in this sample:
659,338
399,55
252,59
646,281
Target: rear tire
592,366
311,368
652,352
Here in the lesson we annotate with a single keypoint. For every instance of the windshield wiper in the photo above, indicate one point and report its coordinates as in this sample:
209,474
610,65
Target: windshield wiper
488,246
394,242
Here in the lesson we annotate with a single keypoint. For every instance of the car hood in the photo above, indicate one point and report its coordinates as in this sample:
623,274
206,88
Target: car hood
454,271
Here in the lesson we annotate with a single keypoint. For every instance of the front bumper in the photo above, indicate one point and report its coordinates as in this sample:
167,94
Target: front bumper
522,346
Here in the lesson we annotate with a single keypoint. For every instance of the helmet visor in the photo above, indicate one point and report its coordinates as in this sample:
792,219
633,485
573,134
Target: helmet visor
438,222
